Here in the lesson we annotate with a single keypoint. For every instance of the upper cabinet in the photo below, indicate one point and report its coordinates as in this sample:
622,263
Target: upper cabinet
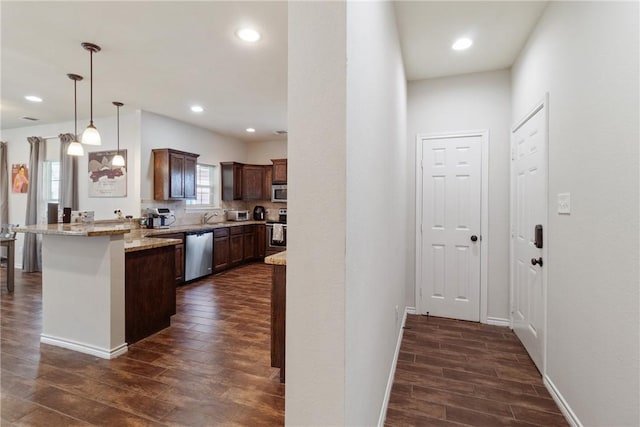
174,174
279,171
253,182
231,180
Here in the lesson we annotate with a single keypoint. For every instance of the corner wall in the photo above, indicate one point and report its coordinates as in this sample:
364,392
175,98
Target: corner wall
586,55
460,103
376,274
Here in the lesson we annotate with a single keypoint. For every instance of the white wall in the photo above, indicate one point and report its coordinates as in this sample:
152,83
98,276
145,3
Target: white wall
376,273
469,102
315,246
586,56
261,153
18,152
163,132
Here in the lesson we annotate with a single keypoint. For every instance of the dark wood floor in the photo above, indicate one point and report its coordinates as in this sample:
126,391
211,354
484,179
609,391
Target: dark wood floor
453,373
211,367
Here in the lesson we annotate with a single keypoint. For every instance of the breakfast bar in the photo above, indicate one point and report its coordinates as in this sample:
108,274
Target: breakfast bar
83,285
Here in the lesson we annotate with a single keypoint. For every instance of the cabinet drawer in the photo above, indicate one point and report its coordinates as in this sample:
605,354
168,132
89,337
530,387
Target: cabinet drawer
236,230
220,232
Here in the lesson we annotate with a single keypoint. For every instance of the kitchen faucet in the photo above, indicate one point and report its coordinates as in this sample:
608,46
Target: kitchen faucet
207,216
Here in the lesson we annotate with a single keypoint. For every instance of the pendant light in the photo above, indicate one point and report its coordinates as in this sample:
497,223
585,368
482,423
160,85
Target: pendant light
75,148
91,135
118,160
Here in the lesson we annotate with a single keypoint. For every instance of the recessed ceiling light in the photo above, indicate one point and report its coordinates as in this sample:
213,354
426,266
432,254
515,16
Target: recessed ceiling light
462,44
248,35
250,130
197,109
33,98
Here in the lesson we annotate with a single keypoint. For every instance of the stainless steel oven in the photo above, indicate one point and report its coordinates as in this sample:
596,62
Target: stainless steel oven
276,244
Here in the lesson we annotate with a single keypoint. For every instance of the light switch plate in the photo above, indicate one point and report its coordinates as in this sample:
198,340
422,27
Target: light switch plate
564,203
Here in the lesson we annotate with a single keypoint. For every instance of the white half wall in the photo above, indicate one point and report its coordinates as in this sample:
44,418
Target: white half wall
376,273
586,56
475,101
315,347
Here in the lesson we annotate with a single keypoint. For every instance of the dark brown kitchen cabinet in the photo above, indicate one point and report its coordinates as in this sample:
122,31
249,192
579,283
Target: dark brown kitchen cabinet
252,182
266,183
261,240
179,255
236,245
279,171
249,232
232,173
150,291
221,254
174,174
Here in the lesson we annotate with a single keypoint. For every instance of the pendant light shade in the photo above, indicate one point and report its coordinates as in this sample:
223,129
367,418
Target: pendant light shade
75,148
91,135
118,160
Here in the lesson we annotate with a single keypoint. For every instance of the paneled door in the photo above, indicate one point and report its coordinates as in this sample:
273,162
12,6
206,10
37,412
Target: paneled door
449,247
528,234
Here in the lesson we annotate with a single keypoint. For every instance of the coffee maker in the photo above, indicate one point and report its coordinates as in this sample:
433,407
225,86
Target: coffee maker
259,214
158,217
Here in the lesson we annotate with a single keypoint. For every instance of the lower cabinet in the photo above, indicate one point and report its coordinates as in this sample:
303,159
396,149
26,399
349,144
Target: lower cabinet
150,291
221,256
249,233
236,246
261,240
179,255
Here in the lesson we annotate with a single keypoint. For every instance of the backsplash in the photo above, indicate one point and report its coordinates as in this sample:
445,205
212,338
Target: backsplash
185,215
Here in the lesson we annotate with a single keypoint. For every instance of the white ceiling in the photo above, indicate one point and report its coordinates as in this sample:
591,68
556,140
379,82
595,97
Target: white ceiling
156,56
165,56
499,30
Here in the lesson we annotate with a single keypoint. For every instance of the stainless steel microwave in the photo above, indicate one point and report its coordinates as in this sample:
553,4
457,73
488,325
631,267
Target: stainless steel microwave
279,193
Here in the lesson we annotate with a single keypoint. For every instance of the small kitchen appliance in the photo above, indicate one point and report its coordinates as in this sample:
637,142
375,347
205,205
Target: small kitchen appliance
259,213
158,217
279,193
235,215
282,216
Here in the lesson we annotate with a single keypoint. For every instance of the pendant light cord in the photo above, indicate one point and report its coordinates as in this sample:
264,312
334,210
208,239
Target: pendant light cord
118,129
91,85
75,110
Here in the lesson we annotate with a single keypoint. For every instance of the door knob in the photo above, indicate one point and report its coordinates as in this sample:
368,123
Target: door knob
536,261
474,238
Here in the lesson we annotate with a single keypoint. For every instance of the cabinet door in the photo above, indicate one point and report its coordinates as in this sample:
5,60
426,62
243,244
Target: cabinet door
220,253
252,182
189,177
266,183
176,175
249,242
261,240
236,249
237,181
179,264
279,171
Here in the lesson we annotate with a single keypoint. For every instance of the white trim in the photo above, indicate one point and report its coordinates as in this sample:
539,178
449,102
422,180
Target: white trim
484,215
498,321
542,104
85,348
566,410
392,371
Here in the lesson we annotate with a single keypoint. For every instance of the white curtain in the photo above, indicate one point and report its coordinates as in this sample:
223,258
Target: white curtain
32,250
68,197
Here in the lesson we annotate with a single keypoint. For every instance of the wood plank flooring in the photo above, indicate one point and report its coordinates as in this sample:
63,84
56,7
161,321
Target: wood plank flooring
453,373
211,367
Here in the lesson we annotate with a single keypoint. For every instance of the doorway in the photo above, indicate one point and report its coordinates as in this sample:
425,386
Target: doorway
451,225
529,179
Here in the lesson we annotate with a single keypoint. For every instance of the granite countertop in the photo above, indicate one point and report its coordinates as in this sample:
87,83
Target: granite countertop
77,229
135,242
277,259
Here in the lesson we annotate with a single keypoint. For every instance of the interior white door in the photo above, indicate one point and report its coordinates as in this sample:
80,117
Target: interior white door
529,210
451,208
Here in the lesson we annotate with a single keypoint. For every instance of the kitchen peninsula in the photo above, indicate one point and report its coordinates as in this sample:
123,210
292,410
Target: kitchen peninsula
278,310
83,285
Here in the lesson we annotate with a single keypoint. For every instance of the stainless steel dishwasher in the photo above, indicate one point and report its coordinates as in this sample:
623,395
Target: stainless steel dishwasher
198,255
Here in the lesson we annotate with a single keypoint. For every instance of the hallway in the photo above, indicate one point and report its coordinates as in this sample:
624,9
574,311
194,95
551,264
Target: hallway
453,373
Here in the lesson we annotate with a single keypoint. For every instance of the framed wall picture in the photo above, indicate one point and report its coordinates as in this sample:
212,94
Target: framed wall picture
19,178
106,180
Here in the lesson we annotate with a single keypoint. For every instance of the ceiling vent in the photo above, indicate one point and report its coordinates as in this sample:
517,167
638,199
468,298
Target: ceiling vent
33,119
280,132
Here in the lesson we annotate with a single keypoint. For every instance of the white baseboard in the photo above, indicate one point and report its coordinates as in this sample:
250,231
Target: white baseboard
498,321
392,371
562,403
85,348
